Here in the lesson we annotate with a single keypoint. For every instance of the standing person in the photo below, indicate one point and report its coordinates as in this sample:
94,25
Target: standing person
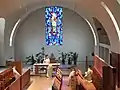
88,74
49,70
72,73
46,59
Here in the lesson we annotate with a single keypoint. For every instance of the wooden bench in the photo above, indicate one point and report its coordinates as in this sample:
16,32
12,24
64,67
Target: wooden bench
79,83
97,79
25,78
6,78
14,85
59,74
101,74
57,83
24,74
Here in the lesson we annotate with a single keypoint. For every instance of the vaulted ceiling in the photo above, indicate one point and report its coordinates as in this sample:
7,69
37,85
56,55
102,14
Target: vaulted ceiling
12,10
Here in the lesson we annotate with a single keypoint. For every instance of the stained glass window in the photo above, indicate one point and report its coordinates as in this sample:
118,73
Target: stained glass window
54,25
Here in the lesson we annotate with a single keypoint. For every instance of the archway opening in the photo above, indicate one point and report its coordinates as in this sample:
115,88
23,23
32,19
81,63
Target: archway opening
104,42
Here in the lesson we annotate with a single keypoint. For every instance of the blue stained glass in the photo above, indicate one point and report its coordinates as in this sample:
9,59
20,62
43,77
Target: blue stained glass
54,25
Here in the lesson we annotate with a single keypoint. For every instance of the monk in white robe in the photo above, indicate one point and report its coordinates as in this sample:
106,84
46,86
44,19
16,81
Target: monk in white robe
49,70
88,74
46,59
72,73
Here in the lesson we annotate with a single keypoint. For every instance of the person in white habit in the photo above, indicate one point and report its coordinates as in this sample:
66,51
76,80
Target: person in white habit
88,74
49,68
15,72
72,73
46,59
49,71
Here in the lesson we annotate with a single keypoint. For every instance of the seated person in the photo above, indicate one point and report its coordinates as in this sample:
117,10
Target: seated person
49,71
46,59
72,73
88,74
15,72
79,73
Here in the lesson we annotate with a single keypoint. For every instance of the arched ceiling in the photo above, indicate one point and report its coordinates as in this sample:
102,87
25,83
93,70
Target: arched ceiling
86,8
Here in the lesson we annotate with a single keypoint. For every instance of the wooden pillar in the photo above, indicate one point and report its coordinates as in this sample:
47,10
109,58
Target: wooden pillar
115,62
36,69
86,63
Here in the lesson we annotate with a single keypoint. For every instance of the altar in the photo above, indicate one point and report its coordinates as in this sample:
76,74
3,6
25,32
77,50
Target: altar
38,66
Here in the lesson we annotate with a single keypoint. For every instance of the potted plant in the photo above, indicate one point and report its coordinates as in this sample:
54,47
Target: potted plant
63,58
75,56
30,59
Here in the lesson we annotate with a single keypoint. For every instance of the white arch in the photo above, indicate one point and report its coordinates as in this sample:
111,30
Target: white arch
95,37
13,31
112,18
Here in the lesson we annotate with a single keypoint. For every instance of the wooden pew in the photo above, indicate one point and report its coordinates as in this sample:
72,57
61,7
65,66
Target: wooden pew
97,79
109,78
59,71
2,85
14,85
25,78
81,83
25,73
59,74
6,78
98,74
57,83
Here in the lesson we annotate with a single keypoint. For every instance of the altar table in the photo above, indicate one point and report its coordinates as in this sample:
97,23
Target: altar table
45,65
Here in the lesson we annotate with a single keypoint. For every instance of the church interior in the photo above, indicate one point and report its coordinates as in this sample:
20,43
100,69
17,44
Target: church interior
60,45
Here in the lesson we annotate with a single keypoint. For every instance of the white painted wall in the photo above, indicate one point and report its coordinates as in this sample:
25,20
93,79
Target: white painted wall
2,26
77,36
